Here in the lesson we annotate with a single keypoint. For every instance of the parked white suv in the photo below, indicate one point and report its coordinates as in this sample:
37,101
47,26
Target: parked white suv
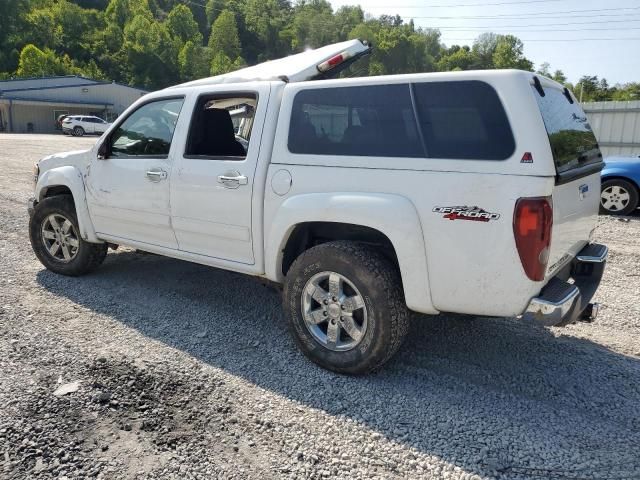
78,125
470,192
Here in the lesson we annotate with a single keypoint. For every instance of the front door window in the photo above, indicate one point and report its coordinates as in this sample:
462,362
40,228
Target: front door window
148,131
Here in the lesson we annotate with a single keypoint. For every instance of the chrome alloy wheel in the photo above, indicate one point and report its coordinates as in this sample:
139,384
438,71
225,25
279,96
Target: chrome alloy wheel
60,238
334,311
614,198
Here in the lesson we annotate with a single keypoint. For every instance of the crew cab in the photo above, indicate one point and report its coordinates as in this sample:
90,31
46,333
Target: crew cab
471,192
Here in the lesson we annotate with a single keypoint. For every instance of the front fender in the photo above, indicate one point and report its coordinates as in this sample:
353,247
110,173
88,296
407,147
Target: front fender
393,215
69,177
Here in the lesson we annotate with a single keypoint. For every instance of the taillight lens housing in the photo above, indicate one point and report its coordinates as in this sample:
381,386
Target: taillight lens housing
532,223
333,61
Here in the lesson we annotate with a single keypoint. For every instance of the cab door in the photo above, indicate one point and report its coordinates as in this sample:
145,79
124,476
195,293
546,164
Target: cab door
128,192
213,182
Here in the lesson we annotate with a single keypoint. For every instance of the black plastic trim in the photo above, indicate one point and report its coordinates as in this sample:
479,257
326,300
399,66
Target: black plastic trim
538,86
568,95
236,158
579,172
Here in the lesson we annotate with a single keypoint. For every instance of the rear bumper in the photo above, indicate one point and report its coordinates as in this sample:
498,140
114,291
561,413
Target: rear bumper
561,302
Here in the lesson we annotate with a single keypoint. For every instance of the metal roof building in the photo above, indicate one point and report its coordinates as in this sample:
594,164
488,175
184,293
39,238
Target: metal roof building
34,104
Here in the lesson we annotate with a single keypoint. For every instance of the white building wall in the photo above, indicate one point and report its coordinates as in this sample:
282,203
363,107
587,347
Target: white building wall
617,127
38,118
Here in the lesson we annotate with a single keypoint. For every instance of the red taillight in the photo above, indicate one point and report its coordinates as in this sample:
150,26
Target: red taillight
333,61
532,222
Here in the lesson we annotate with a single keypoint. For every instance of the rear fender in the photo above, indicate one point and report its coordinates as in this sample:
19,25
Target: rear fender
71,178
393,215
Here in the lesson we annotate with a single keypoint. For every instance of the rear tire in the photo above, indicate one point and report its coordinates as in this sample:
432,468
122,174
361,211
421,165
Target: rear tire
78,132
55,239
370,315
618,197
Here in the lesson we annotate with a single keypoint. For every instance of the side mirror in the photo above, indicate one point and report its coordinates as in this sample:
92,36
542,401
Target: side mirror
103,150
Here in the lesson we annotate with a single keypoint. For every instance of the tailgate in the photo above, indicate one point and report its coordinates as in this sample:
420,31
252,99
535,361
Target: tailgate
578,161
575,214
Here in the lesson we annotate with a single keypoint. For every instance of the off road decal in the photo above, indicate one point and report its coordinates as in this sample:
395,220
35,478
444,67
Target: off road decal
475,214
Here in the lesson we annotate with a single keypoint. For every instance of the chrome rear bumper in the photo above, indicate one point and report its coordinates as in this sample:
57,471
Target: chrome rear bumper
563,301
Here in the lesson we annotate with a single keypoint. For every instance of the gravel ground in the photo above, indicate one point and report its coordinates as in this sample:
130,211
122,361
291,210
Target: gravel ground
185,371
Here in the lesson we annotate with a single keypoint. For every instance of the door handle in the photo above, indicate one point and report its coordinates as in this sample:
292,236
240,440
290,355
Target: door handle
156,174
232,180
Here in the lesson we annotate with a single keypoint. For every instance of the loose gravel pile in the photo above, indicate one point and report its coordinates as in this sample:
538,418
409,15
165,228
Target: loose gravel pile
155,368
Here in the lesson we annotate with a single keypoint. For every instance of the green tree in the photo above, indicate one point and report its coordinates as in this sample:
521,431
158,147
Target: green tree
545,69
509,54
456,58
149,53
34,62
224,36
629,91
155,43
121,12
590,89
223,64
12,32
267,34
313,25
347,18
213,8
194,61
483,49
559,77
182,26
65,27
400,48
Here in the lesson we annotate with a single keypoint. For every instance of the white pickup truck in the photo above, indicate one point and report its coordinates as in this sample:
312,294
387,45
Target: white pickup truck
469,192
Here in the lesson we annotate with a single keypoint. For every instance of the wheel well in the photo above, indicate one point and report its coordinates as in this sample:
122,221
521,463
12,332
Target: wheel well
310,234
56,190
626,179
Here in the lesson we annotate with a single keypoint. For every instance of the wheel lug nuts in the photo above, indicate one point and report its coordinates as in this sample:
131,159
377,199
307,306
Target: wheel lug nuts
325,301
342,307
325,313
335,299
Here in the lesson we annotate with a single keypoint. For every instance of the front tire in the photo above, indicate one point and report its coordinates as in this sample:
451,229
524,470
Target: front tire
345,307
56,241
618,197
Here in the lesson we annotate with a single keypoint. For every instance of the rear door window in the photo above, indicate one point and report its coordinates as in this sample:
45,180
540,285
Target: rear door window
221,126
463,120
375,121
573,143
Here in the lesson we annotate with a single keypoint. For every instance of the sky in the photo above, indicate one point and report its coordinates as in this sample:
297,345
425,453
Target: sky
579,37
